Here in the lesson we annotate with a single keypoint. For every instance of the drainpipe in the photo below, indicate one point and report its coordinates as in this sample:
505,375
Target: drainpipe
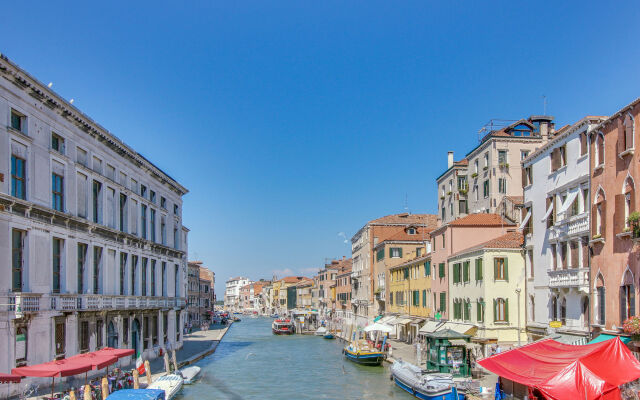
518,293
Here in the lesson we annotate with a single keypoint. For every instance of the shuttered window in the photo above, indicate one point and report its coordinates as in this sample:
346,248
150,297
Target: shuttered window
478,269
501,269
441,270
465,271
443,301
427,268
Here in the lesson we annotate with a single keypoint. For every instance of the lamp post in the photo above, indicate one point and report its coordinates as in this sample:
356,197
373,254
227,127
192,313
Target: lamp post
518,293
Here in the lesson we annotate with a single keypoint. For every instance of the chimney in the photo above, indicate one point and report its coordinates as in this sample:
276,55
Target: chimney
546,126
449,159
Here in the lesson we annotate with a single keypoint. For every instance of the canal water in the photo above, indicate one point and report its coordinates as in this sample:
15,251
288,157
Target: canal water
252,363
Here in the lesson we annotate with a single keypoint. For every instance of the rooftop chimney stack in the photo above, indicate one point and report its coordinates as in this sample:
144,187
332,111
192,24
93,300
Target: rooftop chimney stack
449,159
546,126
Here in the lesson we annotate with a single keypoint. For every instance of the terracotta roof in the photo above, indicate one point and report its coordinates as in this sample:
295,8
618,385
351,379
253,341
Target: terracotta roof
412,261
304,282
292,279
407,219
464,161
206,274
480,219
421,235
510,240
516,199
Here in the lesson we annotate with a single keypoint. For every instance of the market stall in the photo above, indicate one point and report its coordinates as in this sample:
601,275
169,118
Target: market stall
561,371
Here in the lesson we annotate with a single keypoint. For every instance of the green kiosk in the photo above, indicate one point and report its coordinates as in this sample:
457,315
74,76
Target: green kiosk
447,352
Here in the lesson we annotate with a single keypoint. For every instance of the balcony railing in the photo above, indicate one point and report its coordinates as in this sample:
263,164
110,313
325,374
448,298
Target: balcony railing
35,302
573,225
574,277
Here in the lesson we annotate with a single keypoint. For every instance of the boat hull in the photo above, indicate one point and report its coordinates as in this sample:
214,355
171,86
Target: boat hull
282,332
329,336
447,394
370,359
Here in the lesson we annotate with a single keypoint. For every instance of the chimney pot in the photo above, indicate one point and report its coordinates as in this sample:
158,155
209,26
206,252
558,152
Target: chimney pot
449,159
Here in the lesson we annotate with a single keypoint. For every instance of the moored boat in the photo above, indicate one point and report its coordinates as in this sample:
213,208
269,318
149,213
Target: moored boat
282,327
329,336
321,331
171,384
361,353
424,386
137,394
189,374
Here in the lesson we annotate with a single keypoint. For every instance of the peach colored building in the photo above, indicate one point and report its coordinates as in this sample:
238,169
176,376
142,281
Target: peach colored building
343,289
454,237
615,264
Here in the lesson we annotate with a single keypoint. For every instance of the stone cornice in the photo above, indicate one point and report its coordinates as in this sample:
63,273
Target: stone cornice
14,74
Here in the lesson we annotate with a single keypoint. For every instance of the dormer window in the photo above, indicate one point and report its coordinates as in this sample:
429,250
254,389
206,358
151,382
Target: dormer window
411,231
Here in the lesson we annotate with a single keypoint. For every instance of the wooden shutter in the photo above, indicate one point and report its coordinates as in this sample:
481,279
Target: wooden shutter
495,269
554,159
618,214
594,220
506,269
622,302
573,245
480,268
390,252
620,142
603,207
628,129
495,310
583,143
506,309
524,177
400,248
632,300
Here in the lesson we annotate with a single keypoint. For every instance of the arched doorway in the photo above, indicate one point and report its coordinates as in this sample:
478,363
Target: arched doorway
112,335
135,336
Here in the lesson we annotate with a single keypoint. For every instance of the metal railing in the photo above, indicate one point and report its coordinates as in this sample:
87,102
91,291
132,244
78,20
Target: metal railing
35,302
569,277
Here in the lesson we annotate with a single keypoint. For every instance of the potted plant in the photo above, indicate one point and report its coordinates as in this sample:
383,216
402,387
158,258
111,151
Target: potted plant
634,223
485,168
632,327
504,165
449,193
463,192
596,236
474,175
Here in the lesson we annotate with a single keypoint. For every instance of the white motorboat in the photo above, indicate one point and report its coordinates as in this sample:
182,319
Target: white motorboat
171,384
189,374
424,386
321,331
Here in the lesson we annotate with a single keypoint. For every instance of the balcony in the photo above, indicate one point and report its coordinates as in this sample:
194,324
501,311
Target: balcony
567,278
575,225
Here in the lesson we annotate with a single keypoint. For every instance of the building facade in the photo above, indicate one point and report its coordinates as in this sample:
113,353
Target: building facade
91,233
614,264
232,292
343,291
193,292
556,210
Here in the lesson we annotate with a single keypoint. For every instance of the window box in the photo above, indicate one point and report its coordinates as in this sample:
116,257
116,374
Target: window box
449,193
474,175
485,168
597,239
441,197
598,167
627,152
463,192
624,234
504,165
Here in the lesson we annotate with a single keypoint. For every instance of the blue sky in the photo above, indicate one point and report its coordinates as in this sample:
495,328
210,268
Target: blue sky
291,122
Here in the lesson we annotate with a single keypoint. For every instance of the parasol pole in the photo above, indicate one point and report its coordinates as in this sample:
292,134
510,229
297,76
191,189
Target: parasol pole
53,378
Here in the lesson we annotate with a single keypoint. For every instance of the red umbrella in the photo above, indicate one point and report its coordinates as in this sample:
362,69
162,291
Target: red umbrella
119,353
97,360
8,378
53,369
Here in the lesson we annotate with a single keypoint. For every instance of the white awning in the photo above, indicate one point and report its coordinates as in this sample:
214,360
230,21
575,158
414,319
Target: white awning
430,326
570,198
402,321
386,319
525,220
457,327
549,211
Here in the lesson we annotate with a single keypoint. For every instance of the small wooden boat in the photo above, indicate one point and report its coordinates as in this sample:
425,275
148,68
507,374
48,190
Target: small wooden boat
361,353
171,384
329,336
189,374
435,386
283,327
137,394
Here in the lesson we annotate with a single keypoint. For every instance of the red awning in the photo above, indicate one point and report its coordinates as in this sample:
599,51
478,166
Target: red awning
56,368
563,371
97,361
8,378
119,353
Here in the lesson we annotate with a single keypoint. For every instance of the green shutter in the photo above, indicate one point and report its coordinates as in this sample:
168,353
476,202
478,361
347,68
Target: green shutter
480,268
390,254
506,310
495,269
478,313
506,269
400,252
495,310
443,299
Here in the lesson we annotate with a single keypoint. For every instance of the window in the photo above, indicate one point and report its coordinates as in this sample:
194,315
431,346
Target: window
56,261
123,213
84,336
599,149
18,178
380,254
627,130
467,310
502,157
163,230
96,201
443,240
143,191
627,301
501,310
155,330
415,298
583,144
125,331
480,310
411,231
176,241
501,269
123,266
152,223
562,151
99,333
475,166
81,156
134,272
486,161
502,185
17,250
441,270
524,154
527,177
82,257
176,279
59,338
57,143
164,279
456,273
97,257
57,192
478,265
462,182
443,302
424,298
153,277
152,196
418,251
485,188
175,209
163,202
462,207
600,293
427,268
143,221
465,271
18,121
144,276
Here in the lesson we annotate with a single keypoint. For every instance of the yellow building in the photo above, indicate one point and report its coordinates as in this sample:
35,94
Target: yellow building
409,295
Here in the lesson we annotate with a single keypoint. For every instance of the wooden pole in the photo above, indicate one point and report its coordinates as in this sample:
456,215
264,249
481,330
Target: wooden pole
136,379
105,388
87,392
147,369
175,361
52,386
167,368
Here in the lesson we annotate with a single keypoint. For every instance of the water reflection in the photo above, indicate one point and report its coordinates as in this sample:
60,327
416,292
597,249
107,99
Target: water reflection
251,363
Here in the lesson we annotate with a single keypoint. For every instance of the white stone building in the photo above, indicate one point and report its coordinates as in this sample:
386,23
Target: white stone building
93,250
556,226
232,292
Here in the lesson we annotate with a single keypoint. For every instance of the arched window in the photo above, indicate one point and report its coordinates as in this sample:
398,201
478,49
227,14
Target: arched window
563,311
585,311
627,126
600,300
627,297
628,191
599,156
480,310
501,310
112,335
554,308
599,213
532,301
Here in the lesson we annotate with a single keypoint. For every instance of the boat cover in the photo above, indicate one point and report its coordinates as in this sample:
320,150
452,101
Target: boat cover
137,394
563,371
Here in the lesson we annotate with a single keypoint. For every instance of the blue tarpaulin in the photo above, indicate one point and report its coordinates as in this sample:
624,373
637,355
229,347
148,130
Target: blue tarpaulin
604,336
137,394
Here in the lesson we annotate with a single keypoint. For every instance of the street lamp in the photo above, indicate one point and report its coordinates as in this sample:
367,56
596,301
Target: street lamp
518,293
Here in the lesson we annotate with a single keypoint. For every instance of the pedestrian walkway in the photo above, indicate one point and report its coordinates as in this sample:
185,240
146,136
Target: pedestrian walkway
404,351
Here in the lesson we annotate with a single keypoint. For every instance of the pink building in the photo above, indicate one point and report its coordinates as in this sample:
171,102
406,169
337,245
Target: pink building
454,237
